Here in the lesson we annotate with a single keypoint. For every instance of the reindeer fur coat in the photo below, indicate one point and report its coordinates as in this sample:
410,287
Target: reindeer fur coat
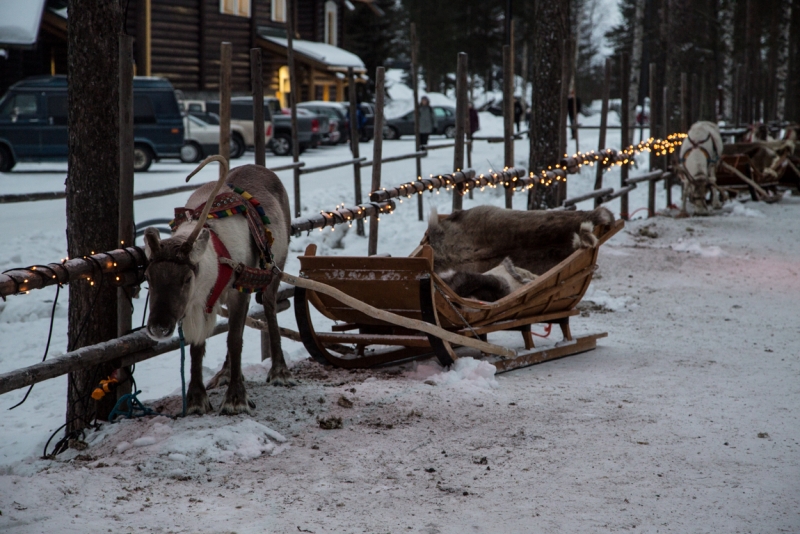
479,239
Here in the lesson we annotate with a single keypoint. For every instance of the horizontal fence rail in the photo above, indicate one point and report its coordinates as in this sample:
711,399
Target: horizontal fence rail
121,352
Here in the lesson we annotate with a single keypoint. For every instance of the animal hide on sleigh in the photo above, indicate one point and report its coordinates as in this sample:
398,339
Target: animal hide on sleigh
479,239
491,285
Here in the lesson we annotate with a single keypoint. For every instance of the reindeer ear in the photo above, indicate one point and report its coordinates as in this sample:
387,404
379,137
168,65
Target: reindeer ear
152,241
199,246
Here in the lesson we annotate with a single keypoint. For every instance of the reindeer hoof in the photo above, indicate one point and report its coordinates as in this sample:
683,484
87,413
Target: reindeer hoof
236,400
281,376
197,402
222,378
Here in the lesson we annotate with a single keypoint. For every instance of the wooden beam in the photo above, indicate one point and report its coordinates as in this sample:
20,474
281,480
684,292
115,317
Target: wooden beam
508,116
598,179
377,154
225,53
414,86
354,141
257,88
461,103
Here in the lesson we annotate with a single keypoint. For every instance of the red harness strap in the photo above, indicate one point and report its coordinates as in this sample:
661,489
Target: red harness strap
224,271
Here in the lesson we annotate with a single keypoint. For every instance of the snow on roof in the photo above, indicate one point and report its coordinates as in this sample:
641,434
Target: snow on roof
332,56
19,21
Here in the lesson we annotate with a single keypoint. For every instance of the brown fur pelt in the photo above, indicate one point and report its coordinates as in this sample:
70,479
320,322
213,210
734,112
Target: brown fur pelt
491,285
479,239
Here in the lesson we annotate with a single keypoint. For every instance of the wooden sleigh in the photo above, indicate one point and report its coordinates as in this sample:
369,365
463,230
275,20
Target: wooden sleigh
409,287
738,173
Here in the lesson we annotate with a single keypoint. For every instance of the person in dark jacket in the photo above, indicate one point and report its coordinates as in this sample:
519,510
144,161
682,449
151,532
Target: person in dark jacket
518,112
427,120
361,122
474,121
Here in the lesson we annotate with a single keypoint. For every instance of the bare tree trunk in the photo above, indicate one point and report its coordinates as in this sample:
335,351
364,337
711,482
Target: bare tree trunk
726,26
552,25
636,65
92,193
782,70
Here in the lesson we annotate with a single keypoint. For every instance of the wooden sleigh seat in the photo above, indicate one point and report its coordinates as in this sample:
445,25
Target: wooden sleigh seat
740,156
408,286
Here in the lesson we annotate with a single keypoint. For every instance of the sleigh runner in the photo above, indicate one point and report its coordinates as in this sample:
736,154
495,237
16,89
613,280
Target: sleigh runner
409,287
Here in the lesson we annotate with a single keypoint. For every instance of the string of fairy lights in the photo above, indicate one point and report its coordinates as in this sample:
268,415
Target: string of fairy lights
462,181
516,179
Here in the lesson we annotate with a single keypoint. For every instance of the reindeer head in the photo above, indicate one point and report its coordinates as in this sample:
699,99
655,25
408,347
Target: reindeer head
173,266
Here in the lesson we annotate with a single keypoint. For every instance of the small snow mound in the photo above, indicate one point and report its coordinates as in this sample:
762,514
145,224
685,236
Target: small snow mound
694,247
467,372
740,210
195,440
604,300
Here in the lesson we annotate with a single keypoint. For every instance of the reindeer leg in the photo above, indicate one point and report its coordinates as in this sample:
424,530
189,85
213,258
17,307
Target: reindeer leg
196,397
715,196
222,377
279,374
236,401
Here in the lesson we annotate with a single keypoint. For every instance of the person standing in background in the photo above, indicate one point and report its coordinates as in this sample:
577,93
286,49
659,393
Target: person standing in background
427,121
474,121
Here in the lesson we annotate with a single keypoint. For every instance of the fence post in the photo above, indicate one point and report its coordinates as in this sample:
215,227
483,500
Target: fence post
684,98
508,116
257,87
565,64
598,179
573,71
625,137
414,74
126,224
377,154
225,53
652,115
461,102
293,91
354,140
664,133
651,198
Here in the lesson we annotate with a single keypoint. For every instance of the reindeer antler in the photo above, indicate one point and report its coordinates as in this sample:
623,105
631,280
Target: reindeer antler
223,174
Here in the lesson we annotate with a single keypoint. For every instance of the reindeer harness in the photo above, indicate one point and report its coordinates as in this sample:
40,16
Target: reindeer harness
245,279
698,145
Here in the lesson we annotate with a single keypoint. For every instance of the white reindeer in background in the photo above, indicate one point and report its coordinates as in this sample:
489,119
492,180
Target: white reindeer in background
699,156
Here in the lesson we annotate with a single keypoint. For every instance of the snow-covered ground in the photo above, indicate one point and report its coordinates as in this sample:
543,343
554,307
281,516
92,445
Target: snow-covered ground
683,420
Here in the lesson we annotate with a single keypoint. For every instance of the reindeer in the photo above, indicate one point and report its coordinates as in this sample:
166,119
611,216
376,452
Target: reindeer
699,156
184,277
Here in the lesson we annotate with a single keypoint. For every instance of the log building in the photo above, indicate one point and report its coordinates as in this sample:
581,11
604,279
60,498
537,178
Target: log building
180,40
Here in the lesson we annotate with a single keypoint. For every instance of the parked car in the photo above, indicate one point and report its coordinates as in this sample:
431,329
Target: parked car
33,122
309,128
201,137
242,131
404,125
335,111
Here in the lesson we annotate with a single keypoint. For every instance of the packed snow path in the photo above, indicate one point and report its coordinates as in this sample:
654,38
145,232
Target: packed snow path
683,420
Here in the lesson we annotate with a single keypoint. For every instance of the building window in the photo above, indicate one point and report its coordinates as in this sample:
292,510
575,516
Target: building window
279,10
331,12
239,8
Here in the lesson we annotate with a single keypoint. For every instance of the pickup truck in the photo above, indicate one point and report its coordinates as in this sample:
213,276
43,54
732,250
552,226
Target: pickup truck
242,132
310,128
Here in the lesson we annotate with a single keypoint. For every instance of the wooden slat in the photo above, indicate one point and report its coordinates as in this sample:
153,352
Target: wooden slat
578,345
372,339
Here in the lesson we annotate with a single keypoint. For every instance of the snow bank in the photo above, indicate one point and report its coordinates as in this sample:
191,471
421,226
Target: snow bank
740,210
694,247
191,439
603,299
466,372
